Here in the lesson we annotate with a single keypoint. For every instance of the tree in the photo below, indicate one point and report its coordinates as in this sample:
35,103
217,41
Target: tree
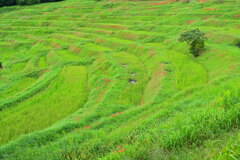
195,39
237,43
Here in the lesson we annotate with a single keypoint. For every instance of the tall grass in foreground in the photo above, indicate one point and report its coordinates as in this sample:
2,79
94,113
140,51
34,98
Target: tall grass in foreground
230,152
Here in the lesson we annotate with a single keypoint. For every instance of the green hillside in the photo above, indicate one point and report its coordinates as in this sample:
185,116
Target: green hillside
109,80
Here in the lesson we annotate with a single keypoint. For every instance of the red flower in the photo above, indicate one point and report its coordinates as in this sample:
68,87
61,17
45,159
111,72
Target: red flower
150,53
236,16
86,127
114,115
119,112
121,150
106,80
77,119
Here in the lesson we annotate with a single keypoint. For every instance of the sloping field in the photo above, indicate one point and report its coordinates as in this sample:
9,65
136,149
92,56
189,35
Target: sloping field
109,80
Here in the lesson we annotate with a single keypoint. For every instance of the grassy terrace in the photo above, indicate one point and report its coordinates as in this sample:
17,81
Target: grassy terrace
109,80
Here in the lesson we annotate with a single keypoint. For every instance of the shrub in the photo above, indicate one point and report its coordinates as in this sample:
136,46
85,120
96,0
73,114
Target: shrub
237,43
196,40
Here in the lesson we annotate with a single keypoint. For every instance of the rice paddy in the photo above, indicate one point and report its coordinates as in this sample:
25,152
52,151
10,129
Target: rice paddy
109,80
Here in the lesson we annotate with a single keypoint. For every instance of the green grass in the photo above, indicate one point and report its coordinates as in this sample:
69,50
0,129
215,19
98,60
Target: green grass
71,85
19,86
66,90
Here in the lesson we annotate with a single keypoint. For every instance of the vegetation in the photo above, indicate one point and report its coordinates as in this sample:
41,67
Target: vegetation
237,43
196,39
23,2
28,2
7,2
111,81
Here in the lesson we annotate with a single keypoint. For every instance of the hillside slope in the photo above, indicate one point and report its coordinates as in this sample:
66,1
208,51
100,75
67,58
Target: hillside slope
109,80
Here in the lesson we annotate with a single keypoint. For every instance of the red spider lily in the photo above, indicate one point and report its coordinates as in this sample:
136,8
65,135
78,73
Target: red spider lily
160,3
211,9
189,21
121,150
86,127
169,41
114,115
106,80
236,16
150,53
141,101
119,112
201,1
79,116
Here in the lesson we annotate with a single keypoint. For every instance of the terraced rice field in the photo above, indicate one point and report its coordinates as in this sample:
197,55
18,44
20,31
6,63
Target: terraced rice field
109,80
